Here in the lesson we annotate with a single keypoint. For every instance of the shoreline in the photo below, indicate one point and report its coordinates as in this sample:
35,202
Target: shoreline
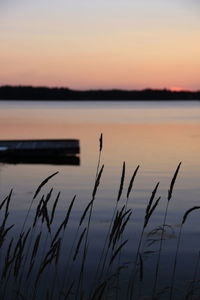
28,93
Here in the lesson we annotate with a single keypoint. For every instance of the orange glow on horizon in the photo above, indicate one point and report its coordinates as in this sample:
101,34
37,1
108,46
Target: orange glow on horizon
179,89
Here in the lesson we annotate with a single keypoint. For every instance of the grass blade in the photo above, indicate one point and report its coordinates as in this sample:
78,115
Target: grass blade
188,212
122,182
132,181
173,182
79,244
117,251
43,183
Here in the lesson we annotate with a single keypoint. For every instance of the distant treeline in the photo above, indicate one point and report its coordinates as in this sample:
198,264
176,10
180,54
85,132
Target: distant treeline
45,93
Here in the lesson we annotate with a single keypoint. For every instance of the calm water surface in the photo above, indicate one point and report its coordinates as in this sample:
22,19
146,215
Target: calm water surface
156,136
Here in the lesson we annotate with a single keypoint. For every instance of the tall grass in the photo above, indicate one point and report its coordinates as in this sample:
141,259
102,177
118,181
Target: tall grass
43,260
169,196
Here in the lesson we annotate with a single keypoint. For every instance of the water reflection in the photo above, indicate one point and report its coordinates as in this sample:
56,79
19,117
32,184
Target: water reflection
41,160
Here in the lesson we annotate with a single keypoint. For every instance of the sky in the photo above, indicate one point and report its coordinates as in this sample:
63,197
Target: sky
81,44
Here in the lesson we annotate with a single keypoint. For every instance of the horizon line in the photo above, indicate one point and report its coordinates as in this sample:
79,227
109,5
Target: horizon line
172,89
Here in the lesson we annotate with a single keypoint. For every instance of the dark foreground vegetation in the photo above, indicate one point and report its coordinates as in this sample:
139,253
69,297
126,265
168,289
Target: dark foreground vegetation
45,93
37,264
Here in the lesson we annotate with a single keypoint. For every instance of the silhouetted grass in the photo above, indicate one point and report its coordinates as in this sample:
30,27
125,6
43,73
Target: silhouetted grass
43,260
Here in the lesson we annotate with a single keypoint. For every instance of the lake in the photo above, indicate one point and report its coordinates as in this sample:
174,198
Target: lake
154,135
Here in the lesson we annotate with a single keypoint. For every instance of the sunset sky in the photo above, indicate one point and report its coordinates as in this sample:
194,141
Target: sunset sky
131,44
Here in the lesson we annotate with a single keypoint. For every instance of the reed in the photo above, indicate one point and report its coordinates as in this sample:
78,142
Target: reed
35,195
170,191
90,209
105,250
148,213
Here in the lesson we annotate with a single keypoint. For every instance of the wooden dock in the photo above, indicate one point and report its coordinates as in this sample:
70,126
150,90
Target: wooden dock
34,147
54,151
